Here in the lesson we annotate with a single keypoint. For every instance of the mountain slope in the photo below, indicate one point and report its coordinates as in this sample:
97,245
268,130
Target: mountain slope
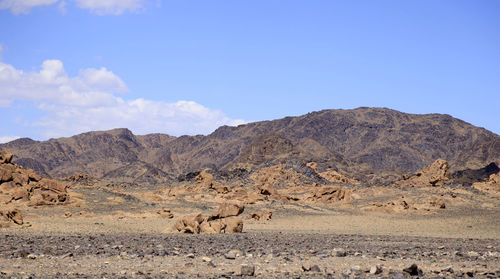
361,142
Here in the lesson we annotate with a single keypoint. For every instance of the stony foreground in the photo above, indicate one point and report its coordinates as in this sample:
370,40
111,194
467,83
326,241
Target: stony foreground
264,255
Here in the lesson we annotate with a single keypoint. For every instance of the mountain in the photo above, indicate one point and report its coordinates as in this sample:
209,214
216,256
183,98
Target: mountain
366,143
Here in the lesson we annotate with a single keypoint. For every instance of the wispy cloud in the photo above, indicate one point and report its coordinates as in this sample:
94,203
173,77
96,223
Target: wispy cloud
100,7
113,7
23,6
92,100
5,139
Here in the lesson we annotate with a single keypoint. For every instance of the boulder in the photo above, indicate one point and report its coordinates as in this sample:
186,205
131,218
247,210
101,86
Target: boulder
267,190
243,196
331,175
328,194
190,223
228,210
6,171
233,224
8,217
5,157
436,174
225,220
214,226
23,185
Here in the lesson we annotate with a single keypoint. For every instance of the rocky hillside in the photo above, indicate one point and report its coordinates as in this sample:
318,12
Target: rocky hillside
364,143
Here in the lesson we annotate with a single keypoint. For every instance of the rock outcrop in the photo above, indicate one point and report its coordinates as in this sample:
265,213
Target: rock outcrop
436,174
327,194
332,175
224,220
20,185
492,185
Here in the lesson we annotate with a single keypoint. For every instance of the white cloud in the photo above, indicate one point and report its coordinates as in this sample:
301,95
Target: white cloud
91,101
114,7
52,84
23,6
5,139
100,7
62,7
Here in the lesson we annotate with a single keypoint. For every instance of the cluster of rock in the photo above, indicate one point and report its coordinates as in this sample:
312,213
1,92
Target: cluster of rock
332,175
436,174
492,185
405,204
225,220
327,194
19,184
81,179
273,183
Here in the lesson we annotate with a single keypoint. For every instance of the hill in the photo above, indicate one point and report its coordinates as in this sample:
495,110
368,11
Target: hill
374,145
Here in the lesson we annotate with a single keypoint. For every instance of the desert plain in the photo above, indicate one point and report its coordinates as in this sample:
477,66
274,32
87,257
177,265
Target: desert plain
281,209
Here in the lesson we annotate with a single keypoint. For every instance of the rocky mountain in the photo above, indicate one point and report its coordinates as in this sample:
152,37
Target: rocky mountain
369,144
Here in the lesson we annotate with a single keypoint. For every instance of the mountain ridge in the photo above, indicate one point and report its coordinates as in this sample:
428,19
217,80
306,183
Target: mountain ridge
362,142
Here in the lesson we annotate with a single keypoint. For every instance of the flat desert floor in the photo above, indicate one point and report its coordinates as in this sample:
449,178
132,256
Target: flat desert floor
117,234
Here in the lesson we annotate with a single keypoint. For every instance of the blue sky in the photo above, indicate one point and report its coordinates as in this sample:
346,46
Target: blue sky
186,67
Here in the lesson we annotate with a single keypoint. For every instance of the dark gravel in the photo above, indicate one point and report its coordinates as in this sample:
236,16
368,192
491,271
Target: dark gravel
283,247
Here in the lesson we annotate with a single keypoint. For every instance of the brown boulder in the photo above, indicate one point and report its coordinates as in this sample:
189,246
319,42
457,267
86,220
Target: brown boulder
5,157
233,224
228,210
20,193
8,217
52,185
25,185
190,223
20,178
436,174
241,195
214,226
6,171
330,194
331,175
32,175
223,221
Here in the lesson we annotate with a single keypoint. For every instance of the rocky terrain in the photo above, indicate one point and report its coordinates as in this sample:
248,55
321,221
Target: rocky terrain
372,145
263,255
365,193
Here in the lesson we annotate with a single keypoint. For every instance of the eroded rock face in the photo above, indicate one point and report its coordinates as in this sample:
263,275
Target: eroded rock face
224,220
436,174
20,185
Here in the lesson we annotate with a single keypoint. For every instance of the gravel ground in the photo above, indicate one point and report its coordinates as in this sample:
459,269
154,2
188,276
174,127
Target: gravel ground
264,255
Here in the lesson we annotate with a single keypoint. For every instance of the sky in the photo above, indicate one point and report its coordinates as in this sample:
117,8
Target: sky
189,66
